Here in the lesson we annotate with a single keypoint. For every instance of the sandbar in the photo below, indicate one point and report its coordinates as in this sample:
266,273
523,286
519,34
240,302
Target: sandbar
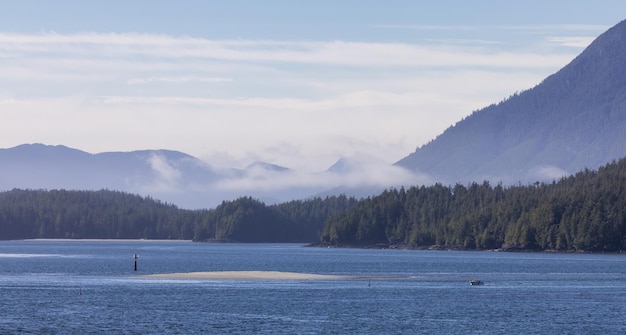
270,275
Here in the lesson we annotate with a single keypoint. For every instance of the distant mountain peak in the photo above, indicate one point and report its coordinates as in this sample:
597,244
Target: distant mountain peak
41,146
38,152
266,166
358,161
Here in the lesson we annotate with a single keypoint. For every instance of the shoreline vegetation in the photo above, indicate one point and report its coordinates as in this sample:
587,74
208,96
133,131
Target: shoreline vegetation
585,212
380,246
444,248
100,240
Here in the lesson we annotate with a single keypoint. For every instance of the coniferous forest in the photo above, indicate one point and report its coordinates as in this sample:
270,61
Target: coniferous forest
583,212
104,214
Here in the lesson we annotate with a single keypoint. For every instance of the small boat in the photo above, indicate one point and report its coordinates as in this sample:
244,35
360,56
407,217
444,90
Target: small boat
475,282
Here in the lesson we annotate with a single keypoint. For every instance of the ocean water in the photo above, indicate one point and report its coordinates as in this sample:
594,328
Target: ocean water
90,287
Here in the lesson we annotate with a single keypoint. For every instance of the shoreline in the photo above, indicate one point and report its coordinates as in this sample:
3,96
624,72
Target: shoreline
97,240
381,246
384,246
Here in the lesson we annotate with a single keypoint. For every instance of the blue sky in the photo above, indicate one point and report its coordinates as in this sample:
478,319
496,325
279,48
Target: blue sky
295,83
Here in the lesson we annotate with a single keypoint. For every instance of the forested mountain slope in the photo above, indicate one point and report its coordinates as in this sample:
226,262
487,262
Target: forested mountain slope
574,119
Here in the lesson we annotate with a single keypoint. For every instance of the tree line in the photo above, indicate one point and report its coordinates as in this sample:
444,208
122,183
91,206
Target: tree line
106,214
90,214
583,212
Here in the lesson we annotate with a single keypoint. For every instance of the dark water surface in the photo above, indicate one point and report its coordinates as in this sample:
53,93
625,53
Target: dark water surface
89,287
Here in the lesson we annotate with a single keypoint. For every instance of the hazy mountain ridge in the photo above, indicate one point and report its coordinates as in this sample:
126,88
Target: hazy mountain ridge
175,177
574,119
45,166
158,173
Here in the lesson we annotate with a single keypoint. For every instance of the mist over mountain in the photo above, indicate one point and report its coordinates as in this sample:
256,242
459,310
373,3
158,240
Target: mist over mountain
574,119
181,179
167,175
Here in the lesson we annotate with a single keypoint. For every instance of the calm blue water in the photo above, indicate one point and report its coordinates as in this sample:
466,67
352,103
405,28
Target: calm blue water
524,293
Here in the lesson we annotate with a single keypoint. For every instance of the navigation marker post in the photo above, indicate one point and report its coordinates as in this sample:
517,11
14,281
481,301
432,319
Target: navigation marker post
136,257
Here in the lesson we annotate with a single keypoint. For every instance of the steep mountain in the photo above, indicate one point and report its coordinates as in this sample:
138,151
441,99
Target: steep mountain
574,119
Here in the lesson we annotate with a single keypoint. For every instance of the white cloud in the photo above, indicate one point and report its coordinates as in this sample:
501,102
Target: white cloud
300,104
591,28
571,41
166,176
548,173
345,53
177,80
365,173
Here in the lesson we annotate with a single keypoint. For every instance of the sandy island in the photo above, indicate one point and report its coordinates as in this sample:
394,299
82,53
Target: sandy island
276,275
272,275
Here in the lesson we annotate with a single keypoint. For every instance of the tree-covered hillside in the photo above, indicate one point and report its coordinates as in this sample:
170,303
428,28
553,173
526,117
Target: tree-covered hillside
91,214
110,214
249,220
586,211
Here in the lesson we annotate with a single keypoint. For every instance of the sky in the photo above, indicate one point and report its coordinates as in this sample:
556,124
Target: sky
294,83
